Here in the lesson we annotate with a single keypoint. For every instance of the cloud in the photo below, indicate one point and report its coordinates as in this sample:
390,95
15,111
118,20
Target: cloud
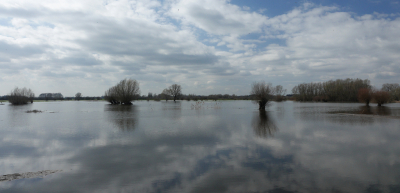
218,17
165,42
325,41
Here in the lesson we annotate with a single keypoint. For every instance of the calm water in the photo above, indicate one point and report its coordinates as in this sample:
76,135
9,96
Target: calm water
209,147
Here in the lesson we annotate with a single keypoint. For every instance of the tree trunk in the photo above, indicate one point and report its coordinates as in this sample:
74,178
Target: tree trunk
262,105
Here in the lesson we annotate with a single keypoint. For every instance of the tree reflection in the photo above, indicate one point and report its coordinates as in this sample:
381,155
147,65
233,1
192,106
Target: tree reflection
122,116
365,110
263,125
382,110
172,110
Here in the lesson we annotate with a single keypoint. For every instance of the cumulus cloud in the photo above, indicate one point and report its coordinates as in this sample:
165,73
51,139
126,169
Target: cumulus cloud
165,42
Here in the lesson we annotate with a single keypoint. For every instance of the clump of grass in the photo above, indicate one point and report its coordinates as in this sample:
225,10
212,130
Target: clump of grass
34,111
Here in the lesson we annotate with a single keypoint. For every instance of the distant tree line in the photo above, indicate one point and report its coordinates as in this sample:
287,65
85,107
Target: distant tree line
393,90
194,97
346,90
333,90
340,90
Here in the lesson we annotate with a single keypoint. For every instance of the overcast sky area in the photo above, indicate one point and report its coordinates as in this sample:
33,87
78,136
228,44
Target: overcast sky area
207,46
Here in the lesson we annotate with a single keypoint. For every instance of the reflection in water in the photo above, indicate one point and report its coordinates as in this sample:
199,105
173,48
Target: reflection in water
263,125
17,176
365,110
382,110
172,109
122,116
205,151
352,115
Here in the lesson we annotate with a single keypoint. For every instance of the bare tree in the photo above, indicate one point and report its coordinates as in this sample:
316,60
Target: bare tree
365,95
165,94
333,90
78,96
381,97
124,92
21,96
111,95
262,93
279,93
175,91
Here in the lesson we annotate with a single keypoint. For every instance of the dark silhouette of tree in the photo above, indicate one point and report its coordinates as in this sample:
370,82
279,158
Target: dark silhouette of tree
124,92
381,97
365,95
333,90
21,96
175,91
78,96
262,93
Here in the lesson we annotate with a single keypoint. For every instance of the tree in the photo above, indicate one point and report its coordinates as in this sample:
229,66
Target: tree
262,93
175,91
332,90
381,97
279,93
78,96
393,90
365,95
124,92
21,96
165,94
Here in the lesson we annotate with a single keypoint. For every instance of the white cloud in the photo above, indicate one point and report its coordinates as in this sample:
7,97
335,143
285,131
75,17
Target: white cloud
217,17
100,42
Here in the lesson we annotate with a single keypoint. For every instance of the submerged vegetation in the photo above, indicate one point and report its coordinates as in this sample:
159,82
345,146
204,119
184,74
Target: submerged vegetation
124,92
262,93
34,111
20,96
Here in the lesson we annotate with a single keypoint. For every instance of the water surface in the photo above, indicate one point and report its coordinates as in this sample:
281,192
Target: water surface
213,146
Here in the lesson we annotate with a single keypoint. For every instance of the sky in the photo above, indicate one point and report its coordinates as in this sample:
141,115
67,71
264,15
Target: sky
206,46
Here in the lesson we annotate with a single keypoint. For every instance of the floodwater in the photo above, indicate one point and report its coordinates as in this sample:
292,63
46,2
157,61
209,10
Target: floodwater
226,146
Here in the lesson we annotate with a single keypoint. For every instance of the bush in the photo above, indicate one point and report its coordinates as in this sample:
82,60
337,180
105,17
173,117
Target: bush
365,95
381,97
124,92
262,92
21,96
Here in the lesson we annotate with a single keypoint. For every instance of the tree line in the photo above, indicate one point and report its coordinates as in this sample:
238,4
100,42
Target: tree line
346,90
340,90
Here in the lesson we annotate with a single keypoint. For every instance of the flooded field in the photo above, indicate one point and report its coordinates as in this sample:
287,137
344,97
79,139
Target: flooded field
209,146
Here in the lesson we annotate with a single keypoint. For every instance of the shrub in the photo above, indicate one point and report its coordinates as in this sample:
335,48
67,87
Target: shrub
21,96
365,95
262,93
381,97
124,92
